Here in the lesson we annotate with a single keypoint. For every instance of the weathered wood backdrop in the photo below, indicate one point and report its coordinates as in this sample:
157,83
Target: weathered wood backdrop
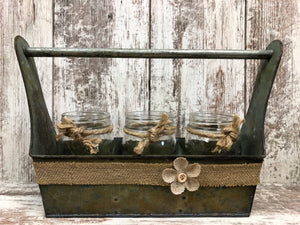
178,86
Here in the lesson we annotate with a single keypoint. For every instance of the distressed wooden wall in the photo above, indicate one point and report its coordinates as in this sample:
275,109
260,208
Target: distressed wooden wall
179,86
33,20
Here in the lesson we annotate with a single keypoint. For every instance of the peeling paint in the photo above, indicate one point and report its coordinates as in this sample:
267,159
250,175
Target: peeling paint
178,86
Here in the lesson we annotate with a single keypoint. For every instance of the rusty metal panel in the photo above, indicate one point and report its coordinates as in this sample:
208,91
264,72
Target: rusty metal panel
138,200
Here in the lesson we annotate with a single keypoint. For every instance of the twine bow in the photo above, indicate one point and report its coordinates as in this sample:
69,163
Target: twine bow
68,128
228,135
162,128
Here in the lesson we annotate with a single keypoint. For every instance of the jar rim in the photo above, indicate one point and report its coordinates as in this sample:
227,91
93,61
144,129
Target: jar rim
143,120
98,115
145,115
210,118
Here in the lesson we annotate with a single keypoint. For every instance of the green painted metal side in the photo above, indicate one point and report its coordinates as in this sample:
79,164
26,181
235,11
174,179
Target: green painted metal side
42,130
136,200
251,139
145,200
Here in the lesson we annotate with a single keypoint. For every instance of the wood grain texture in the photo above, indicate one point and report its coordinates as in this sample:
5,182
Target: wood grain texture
1,88
181,86
267,21
272,205
33,20
178,86
113,85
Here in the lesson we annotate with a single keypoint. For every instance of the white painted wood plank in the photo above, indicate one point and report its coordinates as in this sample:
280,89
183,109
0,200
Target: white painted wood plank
267,21
113,85
181,86
33,20
272,205
19,189
1,87
177,85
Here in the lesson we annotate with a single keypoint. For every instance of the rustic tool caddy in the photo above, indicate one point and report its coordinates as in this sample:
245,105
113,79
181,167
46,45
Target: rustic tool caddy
67,193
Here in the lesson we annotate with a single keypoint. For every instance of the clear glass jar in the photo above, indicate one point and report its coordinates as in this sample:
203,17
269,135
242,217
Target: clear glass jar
141,122
205,123
90,120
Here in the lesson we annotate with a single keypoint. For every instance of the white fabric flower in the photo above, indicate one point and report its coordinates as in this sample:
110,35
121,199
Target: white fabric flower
184,176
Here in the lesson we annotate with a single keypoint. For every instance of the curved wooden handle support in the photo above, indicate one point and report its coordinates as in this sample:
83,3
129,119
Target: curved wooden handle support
251,139
43,136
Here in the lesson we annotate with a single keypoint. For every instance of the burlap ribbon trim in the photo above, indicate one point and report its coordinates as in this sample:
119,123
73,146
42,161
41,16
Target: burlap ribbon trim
95,173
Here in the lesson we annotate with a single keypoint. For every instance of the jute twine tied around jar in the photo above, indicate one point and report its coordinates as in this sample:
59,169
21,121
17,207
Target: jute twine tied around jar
228,135
162,128
68,128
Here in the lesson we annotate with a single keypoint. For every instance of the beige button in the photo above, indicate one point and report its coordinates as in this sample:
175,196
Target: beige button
182,177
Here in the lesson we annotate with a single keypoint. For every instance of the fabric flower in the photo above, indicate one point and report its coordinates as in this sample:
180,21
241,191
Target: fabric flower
183,176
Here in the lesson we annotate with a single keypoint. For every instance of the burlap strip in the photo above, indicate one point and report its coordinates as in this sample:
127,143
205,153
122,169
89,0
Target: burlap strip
94,173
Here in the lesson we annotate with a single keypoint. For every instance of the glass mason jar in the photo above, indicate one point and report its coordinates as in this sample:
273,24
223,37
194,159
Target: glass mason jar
90,121
205,123
140,123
